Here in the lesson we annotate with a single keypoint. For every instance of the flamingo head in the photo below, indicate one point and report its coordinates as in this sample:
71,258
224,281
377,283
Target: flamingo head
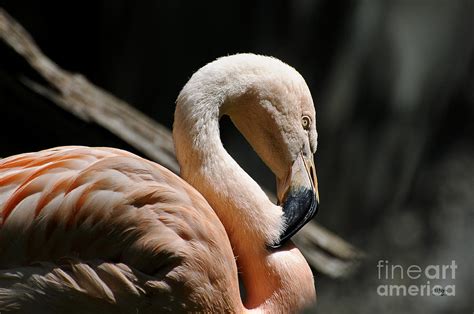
271,105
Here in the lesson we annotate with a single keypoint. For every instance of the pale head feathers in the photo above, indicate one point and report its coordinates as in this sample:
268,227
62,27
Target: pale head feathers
264,97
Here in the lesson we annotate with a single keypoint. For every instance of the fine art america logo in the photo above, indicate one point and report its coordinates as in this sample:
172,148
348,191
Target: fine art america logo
414,280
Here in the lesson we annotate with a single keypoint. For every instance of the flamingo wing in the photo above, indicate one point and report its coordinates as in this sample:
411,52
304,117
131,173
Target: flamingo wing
102,230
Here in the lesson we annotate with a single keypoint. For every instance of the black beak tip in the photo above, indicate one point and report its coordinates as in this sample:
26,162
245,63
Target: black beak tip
300,206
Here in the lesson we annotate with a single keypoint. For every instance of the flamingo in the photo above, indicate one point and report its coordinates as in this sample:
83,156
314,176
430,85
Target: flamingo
101,230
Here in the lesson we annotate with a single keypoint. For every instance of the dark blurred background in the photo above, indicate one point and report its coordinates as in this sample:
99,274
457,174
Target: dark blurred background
393,83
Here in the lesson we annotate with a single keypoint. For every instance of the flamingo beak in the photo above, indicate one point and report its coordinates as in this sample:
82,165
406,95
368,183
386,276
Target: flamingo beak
298,195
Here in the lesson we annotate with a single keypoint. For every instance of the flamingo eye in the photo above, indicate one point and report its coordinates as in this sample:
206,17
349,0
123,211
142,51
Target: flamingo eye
306,122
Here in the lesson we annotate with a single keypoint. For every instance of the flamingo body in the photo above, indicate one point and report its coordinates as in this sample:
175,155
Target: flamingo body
135,234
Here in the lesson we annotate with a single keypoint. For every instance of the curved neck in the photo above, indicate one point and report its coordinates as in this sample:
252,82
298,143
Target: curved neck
275,281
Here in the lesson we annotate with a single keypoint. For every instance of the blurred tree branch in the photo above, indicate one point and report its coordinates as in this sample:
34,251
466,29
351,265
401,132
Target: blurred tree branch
324,250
